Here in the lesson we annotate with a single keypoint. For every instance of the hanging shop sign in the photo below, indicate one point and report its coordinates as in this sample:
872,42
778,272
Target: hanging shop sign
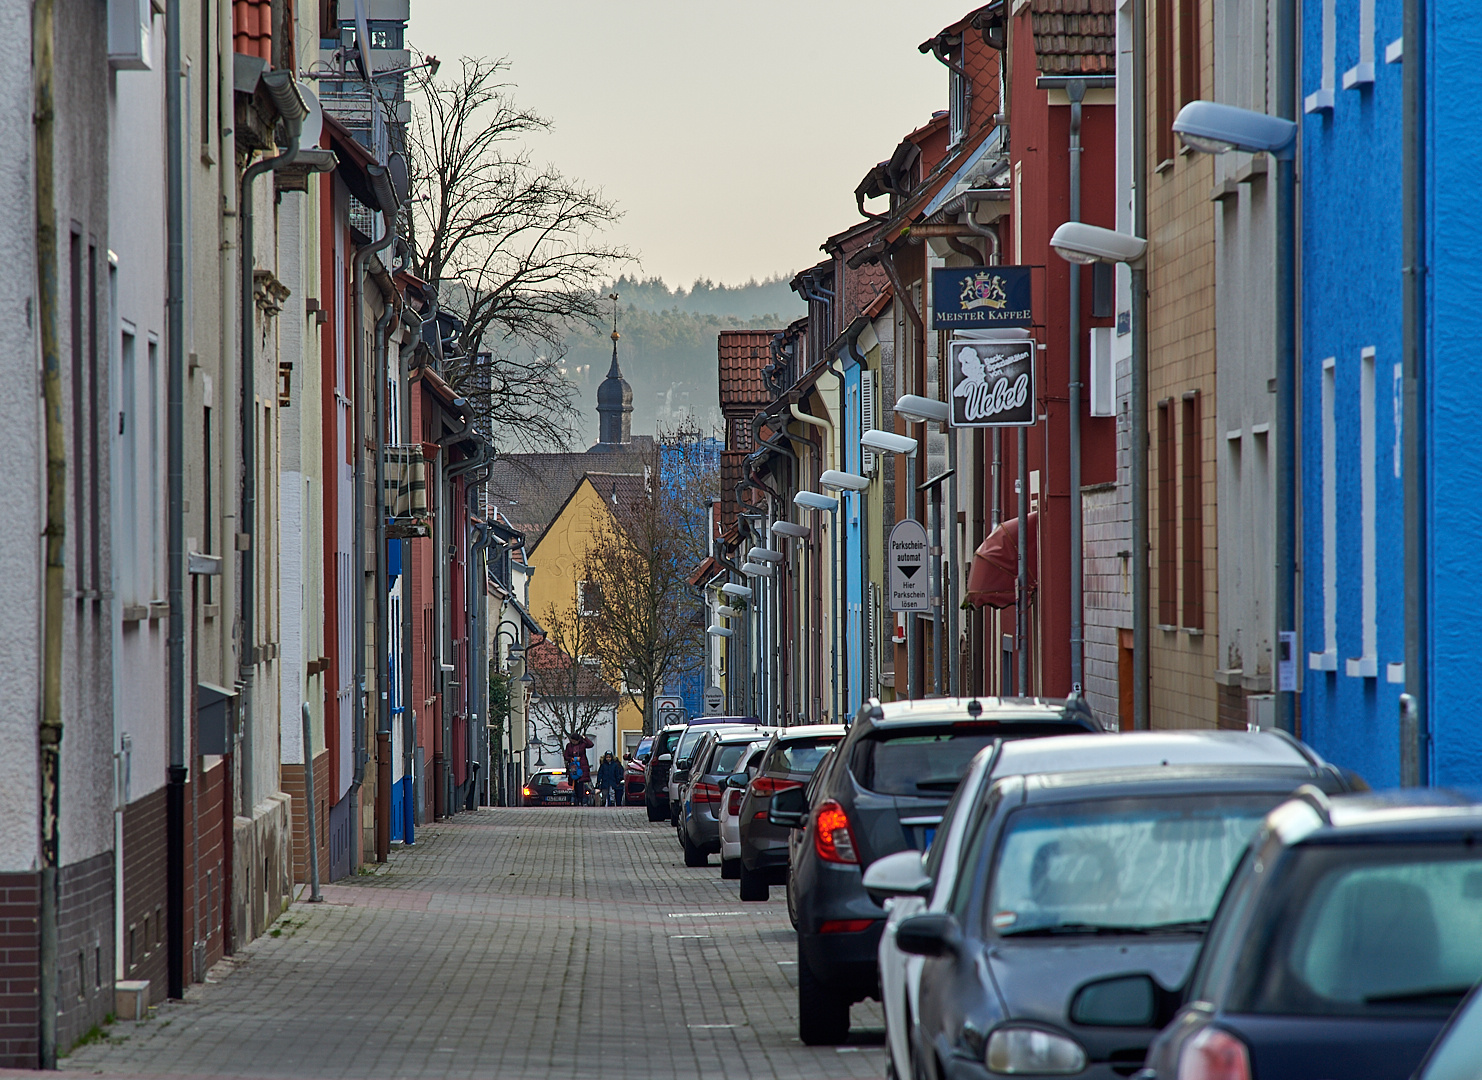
910,578
992,383
981,297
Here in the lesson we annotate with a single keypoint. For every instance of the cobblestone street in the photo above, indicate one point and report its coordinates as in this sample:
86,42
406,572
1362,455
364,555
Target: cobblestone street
518,944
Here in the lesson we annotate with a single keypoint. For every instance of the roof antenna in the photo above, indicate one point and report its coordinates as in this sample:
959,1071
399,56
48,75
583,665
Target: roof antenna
975,708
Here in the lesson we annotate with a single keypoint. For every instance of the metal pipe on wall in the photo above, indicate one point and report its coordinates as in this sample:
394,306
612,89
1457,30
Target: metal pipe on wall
1286,370
1139,374
1076,91
1021,607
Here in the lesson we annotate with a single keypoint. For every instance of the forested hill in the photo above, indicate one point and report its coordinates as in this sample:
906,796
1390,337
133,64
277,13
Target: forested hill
667,350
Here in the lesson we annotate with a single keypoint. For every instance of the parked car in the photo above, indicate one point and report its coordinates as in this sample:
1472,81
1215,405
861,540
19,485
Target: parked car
547,787
679,773
1349,934
791,760
733,792
717,757
882,790
634,784
1081,856
1456,1053
656,772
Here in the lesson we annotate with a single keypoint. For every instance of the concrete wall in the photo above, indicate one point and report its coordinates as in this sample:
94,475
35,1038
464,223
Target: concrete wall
1352,234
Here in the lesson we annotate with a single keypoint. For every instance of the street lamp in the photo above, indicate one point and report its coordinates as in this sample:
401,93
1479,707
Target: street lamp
719,631
812,500
751,569
1213,128
837,480
922,409
789,529
761,554
1077,242
887,442
741,592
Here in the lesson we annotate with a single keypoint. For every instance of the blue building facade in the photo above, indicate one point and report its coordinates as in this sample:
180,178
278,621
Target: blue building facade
1352,404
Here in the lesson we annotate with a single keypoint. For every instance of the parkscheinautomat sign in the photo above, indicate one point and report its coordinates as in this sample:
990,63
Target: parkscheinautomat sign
910,580
992,383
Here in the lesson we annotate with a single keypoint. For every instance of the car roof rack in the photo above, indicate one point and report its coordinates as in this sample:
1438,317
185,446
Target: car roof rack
1316,798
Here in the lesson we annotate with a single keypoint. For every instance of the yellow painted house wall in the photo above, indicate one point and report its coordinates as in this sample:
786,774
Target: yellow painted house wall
557,559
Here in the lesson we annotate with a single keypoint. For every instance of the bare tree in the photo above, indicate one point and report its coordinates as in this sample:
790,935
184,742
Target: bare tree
510,245
652,623
568,680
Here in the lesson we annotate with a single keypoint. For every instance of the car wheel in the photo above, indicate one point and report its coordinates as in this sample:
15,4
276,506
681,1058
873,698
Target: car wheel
730,869
674,816
792,910
654,813
693,856
753,882
823,1014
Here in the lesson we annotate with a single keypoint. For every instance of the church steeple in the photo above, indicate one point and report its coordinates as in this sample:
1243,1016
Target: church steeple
614,399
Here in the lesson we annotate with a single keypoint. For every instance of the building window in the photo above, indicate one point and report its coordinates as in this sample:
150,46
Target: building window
958,103
1189,53
1193,500
1163,44
1167,518
588,598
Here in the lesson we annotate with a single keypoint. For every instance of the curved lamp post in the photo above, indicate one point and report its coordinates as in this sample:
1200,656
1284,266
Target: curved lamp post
837,480
888,442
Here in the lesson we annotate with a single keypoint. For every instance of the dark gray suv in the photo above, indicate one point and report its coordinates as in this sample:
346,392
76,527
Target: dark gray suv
882,790
790,761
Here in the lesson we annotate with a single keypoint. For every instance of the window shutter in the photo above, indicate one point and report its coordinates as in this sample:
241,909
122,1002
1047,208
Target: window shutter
867,418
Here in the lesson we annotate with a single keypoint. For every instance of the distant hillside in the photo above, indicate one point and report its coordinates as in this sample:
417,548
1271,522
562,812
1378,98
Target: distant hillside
667,350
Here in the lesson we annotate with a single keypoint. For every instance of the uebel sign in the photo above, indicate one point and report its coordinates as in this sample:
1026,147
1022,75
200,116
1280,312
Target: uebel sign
992,383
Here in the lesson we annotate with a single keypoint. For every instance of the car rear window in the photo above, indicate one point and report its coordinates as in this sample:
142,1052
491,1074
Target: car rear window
802,755
727,758
1388,931
916,761
667,740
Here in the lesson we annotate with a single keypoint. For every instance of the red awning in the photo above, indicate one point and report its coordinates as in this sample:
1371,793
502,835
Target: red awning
992,580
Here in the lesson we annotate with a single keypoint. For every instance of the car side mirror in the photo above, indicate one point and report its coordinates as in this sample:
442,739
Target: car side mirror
665,759
900,873
789,808
738,780
1133,1001
932,933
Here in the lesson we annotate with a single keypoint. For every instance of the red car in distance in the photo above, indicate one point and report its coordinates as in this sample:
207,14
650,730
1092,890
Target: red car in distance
633,776
547,787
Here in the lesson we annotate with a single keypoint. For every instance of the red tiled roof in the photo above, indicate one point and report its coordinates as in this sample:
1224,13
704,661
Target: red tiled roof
742,355
1075,37
880,303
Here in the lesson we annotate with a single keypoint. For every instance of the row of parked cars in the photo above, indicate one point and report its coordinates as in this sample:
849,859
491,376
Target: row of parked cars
1030,895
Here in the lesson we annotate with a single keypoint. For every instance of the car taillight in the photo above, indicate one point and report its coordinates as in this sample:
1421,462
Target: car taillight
1214,1054
733,801
770,785
831,838
845,926
527,791
706,793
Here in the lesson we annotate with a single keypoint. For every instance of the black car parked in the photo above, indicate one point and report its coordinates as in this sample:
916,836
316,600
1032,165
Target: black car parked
1349,934
1075,871
656,772
882,790
791,759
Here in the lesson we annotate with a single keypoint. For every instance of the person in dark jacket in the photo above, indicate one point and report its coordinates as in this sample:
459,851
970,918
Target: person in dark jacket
578,768
610,780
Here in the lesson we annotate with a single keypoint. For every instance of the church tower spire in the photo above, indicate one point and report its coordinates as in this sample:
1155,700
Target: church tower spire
614,399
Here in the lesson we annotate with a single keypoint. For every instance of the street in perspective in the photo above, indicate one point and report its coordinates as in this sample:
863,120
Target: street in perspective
925,541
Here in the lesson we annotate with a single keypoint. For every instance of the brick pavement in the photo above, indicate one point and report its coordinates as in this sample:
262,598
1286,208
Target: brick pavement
520,944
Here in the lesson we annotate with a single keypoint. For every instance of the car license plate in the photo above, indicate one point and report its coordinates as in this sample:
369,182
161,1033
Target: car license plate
560,798
926,835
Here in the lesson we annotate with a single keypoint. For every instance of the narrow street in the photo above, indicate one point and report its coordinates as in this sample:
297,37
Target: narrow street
521,944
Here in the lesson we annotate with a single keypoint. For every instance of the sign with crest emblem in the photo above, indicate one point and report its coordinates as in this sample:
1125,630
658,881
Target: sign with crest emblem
992,383
981,297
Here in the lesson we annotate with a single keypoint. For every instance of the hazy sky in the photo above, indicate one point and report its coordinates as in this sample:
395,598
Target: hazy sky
731,135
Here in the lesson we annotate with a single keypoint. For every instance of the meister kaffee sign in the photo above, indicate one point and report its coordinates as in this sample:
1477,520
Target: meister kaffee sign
981,297
992,383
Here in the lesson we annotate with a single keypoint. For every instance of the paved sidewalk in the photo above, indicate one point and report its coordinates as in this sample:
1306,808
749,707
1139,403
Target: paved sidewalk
520,944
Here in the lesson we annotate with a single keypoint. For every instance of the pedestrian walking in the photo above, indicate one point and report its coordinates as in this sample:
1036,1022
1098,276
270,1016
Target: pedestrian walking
578,768
610,780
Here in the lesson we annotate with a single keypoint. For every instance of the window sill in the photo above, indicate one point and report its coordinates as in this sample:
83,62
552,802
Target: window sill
1194,631
133,613
1166,165
1168,628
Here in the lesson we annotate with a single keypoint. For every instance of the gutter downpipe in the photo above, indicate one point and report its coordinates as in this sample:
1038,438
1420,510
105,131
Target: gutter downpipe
315,897
1415,740
841,566
828,428
1076,91
177,771
292,111
1139,387
362,264
778,443
1286,362
913,627
383,582
49,733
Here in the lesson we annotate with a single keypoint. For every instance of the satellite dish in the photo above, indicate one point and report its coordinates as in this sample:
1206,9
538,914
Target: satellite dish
313,123
401,182
362,41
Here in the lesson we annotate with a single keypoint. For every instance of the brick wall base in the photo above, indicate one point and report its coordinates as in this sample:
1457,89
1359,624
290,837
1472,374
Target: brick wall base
291,780
1232,712
146,894
84,947
20,957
